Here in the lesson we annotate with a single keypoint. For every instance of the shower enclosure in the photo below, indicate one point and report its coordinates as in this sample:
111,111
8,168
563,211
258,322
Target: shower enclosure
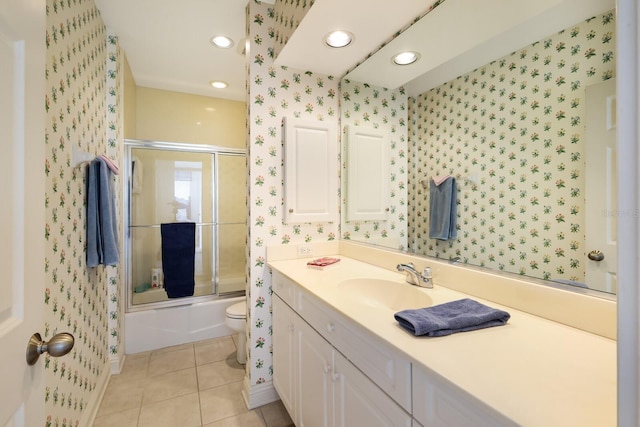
172,182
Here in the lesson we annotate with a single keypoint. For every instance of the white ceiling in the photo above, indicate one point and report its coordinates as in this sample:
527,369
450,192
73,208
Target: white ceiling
475,34
372,22
167,42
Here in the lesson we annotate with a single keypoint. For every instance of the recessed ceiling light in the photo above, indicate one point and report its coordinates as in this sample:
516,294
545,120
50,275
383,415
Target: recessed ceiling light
218,84
338,38
405,58
223,42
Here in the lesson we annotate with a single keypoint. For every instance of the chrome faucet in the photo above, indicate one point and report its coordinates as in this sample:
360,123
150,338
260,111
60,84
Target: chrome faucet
413,277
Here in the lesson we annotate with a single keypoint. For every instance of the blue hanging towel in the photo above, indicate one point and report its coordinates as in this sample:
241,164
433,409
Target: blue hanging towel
178,258
102,227
443,210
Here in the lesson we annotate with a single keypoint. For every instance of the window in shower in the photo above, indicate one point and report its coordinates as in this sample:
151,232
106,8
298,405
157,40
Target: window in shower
185,183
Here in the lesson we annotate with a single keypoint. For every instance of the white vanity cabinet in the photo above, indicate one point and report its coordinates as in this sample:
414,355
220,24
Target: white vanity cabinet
437,403
284,339
316,382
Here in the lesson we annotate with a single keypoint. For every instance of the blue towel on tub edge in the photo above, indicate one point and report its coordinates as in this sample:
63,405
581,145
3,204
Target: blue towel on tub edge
456,316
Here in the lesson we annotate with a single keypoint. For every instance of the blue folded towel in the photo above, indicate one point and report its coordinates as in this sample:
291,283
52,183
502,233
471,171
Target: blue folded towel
443,210
451,317
178,258
102,226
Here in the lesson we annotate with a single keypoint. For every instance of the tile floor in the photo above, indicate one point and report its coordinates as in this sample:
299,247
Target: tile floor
190,385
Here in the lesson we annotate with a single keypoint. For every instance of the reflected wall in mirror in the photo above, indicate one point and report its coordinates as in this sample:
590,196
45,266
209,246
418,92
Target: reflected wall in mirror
517,127
366,106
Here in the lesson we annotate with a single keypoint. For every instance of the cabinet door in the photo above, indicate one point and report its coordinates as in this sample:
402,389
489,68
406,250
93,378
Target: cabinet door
310,171
284,358
438,403
359,402
368,174
314,395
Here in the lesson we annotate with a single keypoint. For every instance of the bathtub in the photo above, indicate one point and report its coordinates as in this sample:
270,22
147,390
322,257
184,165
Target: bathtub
225,284
163,327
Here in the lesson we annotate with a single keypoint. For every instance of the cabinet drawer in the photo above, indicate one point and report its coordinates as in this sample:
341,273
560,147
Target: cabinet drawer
376,359
438,403
284,287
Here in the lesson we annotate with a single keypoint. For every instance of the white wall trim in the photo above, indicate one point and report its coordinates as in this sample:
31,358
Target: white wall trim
117,363
91,410
628,95
258,394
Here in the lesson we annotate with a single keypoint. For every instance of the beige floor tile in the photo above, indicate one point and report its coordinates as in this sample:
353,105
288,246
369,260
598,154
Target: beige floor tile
128,418
139,355
219,373
183,411
214,350
134,369
163,362
234,337
222,402
169,385
275,415
119,397
248,419
174,348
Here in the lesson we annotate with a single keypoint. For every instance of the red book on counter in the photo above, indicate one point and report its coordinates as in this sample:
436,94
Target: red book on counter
322,263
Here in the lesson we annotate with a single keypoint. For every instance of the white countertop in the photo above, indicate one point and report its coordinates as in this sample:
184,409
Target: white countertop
534,371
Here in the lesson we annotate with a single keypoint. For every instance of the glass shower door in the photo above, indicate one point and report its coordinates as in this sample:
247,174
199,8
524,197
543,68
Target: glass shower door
231,208
169,186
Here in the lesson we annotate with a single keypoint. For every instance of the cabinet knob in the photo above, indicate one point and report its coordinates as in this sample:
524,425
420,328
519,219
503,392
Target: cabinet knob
290,210
326,369
331,327
291,328
335,376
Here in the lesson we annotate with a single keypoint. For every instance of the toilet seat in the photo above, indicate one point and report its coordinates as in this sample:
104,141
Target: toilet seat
237,311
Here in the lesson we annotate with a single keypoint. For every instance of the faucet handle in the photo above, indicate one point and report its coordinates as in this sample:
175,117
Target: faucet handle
426,273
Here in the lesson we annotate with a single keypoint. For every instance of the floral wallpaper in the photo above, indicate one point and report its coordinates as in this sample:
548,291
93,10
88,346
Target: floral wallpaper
287,14
115,151
274,93
518,124
77,299
387,110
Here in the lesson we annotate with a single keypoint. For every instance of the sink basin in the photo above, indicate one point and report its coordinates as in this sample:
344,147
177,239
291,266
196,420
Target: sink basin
388,294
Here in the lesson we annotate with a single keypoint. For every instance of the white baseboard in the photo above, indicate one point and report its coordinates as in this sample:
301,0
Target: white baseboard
117,363
256,395
91,410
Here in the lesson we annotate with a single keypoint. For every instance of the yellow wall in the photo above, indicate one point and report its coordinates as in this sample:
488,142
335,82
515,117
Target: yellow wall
129,96
179,117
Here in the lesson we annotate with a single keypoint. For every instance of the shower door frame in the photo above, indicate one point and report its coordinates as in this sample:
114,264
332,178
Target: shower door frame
215,151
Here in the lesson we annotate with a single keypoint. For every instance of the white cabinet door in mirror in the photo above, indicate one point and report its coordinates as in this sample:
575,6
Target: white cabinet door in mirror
310,171
368,174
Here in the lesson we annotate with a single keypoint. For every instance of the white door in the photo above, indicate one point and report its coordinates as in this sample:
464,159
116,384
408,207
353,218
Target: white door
601,198
22,59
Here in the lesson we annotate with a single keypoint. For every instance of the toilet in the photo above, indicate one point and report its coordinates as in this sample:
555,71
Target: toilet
236,319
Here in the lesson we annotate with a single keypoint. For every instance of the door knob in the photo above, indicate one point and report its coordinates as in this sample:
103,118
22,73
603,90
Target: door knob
596,256
59,345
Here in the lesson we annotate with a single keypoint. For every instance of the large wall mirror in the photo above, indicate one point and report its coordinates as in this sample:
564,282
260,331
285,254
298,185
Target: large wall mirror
519,107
